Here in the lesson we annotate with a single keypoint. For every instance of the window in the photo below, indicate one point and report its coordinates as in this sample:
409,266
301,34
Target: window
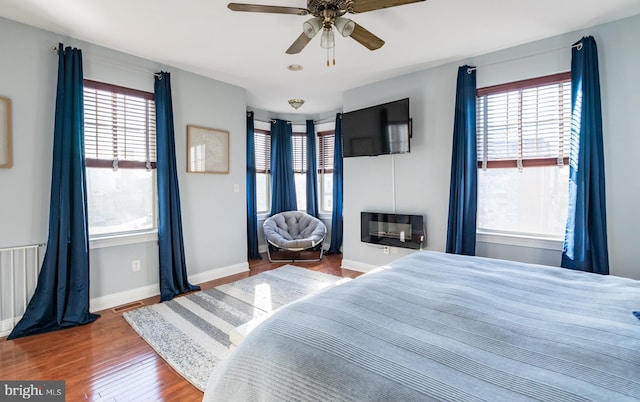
326,146
299,149
120,151
523,134
262,142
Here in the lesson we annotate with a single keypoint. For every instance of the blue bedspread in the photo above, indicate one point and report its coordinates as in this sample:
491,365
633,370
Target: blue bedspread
440,327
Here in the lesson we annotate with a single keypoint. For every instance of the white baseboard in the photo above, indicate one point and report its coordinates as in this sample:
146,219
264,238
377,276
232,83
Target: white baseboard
217,273
120,298
357,266
128,296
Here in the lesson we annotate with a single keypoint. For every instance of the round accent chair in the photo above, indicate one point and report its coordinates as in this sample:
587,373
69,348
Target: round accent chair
294,231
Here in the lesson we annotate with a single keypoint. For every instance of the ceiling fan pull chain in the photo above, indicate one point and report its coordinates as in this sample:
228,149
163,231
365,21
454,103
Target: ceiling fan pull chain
334,56
327,57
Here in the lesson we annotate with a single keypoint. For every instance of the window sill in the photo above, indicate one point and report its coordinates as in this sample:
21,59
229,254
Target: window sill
122,239
521,240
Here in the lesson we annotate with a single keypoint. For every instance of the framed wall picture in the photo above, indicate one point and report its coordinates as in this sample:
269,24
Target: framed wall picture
5,132
207,150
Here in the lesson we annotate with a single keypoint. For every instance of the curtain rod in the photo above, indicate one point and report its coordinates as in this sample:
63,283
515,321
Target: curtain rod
122,65
577,46
328,120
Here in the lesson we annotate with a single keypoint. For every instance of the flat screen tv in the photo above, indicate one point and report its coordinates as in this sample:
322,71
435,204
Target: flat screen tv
377,130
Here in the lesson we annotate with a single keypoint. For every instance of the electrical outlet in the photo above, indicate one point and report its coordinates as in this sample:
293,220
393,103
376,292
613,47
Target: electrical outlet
135,265
386,249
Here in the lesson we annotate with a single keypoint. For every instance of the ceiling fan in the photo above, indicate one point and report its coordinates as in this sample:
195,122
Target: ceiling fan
327,15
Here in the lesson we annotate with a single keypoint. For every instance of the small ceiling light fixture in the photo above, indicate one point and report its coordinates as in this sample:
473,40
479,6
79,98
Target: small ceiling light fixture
294,67
296,103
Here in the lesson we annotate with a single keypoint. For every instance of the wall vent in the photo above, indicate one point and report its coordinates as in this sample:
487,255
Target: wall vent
128,306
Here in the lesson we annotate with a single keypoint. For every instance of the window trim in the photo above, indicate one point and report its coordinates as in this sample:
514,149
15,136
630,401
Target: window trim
267,156
524,163
524,84
519,239
522,239
113,239
325,133
322,170
266,171
299,160
103,86
122,238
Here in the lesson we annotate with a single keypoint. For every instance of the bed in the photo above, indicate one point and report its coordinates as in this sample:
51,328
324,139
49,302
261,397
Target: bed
441,327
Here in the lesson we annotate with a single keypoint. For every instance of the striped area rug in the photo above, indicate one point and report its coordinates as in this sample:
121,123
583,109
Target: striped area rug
192,332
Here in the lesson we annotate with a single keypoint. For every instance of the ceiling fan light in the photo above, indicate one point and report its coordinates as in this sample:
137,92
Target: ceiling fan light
312,27
344,26
327,40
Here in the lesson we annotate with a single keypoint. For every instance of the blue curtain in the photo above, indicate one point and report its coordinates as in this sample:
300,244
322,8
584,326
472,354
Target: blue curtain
283,186
336,215
173,269
61,298
252,208
312,171
463,190
585,244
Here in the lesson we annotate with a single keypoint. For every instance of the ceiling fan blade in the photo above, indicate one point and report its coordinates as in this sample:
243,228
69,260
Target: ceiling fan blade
366,38
361,6
257,8
299,44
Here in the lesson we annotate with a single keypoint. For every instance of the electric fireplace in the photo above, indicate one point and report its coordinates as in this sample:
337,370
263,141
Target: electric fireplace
393,230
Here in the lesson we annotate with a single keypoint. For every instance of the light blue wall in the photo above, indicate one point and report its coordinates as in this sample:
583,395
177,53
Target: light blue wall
214,217
422,177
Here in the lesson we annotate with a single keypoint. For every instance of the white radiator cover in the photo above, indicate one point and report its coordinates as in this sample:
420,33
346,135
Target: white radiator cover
19,270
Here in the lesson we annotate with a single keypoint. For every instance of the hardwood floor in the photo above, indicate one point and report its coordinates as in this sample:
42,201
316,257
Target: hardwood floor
107,360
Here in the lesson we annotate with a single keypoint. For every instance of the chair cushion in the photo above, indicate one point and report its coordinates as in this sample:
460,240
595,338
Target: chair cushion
294,230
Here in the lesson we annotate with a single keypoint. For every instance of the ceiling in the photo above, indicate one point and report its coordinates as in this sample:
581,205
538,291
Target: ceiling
248,49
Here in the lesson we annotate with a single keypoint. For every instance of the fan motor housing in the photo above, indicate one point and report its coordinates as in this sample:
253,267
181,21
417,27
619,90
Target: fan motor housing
316,7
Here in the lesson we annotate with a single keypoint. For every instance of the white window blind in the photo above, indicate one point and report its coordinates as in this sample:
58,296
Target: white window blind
262,141
299,151
326,147
525,123
119,127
